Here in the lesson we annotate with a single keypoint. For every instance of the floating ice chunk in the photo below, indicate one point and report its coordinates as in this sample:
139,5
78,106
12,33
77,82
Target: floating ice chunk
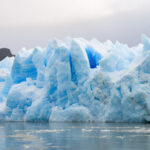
77,80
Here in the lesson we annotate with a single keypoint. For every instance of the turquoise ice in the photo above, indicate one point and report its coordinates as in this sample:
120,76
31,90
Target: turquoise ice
77,80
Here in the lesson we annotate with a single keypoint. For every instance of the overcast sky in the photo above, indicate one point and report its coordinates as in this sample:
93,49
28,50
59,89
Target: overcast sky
30,23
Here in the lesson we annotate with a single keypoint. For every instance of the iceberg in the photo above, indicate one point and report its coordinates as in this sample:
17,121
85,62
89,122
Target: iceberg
77,80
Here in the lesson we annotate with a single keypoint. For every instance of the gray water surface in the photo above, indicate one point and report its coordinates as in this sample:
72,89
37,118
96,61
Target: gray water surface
74,136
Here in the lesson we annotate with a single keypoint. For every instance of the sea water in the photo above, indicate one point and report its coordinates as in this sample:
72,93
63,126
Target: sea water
74,136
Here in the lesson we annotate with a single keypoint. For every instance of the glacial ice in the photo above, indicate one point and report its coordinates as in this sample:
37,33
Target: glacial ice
77,80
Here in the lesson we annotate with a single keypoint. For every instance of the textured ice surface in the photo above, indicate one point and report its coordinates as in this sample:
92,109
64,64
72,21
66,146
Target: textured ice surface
77,80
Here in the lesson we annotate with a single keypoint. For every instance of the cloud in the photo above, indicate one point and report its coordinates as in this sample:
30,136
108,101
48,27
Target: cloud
125,27
51,12
31,23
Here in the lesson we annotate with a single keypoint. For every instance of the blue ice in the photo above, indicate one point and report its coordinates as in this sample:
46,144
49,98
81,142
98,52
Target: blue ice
77,80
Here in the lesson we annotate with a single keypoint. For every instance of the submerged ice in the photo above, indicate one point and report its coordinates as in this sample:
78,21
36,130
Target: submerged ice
77,80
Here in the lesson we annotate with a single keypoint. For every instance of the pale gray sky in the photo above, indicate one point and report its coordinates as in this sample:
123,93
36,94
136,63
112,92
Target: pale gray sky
30,23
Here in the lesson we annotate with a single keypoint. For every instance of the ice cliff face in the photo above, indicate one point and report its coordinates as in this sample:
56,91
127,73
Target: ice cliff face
77,80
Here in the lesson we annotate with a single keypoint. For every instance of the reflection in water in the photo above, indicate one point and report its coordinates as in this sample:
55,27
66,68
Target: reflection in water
74,136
